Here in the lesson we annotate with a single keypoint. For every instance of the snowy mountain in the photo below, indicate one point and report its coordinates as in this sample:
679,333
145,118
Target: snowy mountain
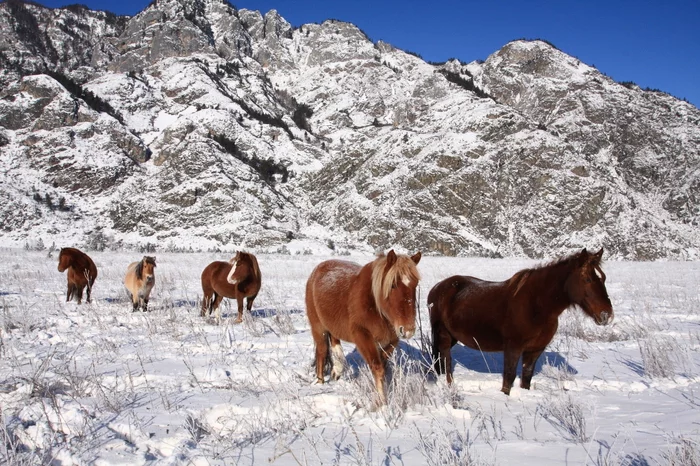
197,124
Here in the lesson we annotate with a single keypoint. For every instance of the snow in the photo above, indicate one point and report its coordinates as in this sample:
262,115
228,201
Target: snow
99,384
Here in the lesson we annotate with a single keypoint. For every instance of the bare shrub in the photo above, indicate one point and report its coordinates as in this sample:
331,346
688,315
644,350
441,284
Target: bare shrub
566,415
444,444
195,428
660,356
685,452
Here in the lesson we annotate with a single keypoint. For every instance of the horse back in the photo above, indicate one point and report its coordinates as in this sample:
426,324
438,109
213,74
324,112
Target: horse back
328,295
472,310
80,265
132,281
214,277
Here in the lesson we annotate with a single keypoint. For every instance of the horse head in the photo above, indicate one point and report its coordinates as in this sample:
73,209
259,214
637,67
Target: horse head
64,260
586,287
241,268
394,282
145,269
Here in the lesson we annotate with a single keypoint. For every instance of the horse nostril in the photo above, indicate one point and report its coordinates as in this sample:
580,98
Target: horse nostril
605,317
401,331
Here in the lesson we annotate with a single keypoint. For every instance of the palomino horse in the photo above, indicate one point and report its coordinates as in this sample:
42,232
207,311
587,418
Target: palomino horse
238,278
139,280
371,306
518,316
81,272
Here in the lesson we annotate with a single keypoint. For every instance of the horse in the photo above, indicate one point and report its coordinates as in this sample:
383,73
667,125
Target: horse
371,305
238,278
82,272
518,316
139,280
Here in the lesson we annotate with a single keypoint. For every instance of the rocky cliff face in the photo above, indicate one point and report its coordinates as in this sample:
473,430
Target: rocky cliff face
196,124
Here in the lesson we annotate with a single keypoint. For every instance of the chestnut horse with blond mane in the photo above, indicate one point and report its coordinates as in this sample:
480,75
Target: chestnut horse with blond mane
238,278
518,316
139,280
371,306
81,272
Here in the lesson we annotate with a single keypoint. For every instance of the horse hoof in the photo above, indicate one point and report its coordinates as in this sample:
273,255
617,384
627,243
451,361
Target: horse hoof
506,391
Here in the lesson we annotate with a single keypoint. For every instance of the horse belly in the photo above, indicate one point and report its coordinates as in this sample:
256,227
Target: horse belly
76,278
479,326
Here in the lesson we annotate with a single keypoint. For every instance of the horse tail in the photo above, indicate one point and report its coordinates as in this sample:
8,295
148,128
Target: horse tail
434,312
439,299
327,358
256,267
437,367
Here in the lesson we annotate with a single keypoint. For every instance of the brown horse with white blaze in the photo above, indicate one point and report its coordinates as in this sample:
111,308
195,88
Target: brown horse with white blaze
371,305
139,281
518,316
82,272
238,278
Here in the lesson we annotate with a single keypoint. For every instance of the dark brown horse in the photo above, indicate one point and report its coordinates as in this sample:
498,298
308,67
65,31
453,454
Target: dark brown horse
139,280
238,278
371,306
81,272
518,316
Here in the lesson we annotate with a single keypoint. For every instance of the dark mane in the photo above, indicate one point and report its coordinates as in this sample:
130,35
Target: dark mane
571,261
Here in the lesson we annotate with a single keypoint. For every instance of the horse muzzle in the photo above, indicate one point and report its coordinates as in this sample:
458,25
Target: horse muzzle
405,332
605,318
150,279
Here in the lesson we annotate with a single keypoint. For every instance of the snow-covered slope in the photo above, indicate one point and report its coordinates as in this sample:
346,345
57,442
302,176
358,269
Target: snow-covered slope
196,124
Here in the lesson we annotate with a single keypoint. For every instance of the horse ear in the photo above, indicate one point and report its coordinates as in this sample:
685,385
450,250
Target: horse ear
416,258
390,258
598,256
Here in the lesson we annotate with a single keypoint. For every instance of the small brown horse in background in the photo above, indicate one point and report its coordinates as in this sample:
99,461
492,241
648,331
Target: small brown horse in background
371,306
139,280
81,272
518,316
238,278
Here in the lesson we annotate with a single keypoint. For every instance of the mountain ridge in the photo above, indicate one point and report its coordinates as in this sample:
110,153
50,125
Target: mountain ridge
240,131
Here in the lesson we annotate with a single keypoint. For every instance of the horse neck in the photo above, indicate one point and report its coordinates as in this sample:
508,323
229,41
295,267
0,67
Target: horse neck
549,287
364,285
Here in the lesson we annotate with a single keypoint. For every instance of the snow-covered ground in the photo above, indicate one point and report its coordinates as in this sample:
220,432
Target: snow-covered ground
99,384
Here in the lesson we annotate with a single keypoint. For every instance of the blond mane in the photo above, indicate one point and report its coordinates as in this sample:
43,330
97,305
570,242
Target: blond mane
404,270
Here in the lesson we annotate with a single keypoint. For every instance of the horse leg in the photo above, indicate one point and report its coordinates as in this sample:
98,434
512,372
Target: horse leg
442,351
529,361
510,365
239,301
79,292
337,358
69,292
89,290
321,344
370,352
145,304
215,307
249,302
207,297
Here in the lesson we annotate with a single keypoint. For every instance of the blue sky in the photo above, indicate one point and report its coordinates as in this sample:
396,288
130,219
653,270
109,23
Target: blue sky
655,44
